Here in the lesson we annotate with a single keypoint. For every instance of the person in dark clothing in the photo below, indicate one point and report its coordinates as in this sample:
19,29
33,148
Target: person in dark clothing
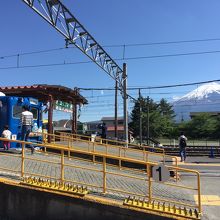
182,146
104,130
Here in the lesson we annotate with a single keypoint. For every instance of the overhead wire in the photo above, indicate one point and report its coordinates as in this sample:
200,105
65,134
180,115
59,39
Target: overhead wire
157,87
116,59
115,45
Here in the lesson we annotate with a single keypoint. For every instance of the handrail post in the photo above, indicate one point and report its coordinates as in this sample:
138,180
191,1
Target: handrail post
93,156
106,149
149,184
146,155
44,137
62,166
120,158
143,153
124,151
88,146
54,140
176,172
69,148
199,193
164,158
22,160
104,175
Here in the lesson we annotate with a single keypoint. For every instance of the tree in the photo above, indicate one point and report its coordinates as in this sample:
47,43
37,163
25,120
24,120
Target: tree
201,126
166,109
160,117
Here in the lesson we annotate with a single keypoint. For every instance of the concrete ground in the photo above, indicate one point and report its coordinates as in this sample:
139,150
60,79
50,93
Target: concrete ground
117,179
120,183
209,169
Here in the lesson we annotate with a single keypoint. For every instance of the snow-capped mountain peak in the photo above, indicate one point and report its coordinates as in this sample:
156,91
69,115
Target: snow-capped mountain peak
206,98
202,92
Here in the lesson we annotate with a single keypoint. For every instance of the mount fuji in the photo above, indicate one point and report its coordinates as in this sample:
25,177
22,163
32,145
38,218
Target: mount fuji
205,98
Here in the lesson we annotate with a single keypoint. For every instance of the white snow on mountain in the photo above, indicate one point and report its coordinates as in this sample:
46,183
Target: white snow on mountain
206,98
202,92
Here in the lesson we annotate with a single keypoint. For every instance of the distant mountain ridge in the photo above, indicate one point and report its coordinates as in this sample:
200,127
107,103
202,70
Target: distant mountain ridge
206,98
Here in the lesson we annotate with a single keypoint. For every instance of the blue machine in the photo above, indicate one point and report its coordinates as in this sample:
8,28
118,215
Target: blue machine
10,113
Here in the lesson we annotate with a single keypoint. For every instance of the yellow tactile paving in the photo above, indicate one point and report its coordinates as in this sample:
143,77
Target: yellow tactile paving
211,200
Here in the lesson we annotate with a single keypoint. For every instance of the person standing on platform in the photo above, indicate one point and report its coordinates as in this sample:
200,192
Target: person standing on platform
6,134
26,125
182,146
104,130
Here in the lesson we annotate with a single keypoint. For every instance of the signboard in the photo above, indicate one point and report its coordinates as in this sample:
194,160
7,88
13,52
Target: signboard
63,106
160,173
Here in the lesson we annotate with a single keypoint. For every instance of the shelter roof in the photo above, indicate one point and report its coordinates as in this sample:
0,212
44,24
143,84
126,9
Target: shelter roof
43,91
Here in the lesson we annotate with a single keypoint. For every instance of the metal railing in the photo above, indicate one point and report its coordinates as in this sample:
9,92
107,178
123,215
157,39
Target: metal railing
100,140
102,178
105,146
191,142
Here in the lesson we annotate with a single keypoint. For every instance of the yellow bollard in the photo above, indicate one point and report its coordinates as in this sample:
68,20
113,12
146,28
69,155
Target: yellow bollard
104,175
62,166
149,184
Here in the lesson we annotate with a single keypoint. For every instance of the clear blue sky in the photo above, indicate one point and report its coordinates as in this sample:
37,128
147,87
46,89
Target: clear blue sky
114,22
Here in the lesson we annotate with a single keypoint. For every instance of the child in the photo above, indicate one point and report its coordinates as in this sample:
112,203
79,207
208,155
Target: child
6,134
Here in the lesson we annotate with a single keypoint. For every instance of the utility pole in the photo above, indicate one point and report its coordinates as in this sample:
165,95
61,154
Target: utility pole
124,78
116,109
148,125
140,117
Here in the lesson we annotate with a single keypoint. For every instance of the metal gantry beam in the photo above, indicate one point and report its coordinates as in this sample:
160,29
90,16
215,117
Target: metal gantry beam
58,16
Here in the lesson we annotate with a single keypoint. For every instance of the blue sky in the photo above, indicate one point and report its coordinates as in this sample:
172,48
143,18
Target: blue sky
114,22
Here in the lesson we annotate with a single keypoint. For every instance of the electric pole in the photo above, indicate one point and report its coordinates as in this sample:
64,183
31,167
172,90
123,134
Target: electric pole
148,125
116,109
124,77
140,117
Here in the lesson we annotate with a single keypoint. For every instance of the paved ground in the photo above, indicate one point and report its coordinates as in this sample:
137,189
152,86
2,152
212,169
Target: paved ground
209,169
116,151
116,179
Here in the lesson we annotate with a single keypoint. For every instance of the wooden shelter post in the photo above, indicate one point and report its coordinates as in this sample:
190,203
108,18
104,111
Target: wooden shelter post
74,116
50,118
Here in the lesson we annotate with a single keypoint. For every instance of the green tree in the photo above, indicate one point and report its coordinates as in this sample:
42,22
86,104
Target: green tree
201,126
159,115
166,109
216,134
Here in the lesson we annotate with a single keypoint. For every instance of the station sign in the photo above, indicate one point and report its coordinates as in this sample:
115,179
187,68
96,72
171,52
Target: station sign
63,106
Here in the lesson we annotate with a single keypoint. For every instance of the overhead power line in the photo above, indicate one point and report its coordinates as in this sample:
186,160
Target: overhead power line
117,59
114,45
154,87
164,42
33,52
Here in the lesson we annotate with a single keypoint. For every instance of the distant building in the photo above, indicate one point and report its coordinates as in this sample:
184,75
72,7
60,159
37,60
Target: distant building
65,125
110,123
92,127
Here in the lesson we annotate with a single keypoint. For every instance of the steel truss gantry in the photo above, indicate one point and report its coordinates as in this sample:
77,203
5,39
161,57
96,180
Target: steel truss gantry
58,16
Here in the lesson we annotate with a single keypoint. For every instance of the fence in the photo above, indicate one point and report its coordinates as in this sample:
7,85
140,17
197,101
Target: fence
104,179
192,143
110,147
